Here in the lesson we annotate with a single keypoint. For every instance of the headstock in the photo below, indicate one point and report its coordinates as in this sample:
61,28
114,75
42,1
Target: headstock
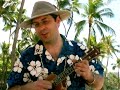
92,53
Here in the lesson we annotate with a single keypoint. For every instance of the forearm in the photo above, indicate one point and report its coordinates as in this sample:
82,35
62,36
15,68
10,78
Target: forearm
27,86
17,87
97,83
36,85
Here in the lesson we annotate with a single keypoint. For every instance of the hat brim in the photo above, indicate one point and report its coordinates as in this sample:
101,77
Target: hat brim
64,14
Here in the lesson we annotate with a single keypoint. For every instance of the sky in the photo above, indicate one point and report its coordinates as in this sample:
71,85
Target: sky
113,22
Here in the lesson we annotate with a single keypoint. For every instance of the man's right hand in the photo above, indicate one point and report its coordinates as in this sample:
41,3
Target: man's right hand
37,85
43,85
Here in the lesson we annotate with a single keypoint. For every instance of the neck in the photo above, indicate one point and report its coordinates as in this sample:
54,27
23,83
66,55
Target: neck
57,42
54,48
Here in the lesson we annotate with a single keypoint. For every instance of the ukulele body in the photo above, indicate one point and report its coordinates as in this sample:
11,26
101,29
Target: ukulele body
59,81
60,86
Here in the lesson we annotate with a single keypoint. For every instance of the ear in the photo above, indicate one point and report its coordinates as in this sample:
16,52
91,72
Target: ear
58,20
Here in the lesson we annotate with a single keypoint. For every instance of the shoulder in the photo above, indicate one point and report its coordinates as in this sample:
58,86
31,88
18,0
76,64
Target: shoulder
27,55
79,46
31,49
28,51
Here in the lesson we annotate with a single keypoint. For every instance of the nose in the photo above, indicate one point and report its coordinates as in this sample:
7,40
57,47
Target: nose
41,26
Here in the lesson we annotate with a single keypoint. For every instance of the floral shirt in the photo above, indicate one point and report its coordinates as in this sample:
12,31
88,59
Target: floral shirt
36,63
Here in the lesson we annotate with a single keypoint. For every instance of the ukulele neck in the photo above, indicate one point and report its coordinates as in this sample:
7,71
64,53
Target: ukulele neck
92,53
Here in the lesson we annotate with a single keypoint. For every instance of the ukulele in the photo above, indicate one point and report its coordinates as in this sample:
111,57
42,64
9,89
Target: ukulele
58,81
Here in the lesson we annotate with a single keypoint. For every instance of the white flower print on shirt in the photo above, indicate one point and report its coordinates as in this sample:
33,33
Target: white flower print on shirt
26,77
18,66
36,69
92,68
38,49
70,43
43,74
83,47
72,57
48,55
68,81
60,60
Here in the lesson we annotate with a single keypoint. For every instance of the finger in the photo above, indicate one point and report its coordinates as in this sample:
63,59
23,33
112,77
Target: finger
44,84
43,89
85,62
80,65
79,72
82,68
47,87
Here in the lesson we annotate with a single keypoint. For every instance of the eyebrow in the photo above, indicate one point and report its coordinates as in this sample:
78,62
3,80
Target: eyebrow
44,18
40,20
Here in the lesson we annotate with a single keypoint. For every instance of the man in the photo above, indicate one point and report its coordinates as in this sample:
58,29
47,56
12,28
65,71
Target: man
53,54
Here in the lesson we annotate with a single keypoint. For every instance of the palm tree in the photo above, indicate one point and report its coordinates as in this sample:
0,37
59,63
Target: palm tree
98,44
110,48
93,17
73,6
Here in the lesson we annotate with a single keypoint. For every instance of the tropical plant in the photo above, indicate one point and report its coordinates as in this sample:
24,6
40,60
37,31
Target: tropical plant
93,15
111,81
71,5
13,56
9,13
117,65
5,58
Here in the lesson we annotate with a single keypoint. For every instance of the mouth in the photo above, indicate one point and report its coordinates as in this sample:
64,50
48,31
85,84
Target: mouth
44,34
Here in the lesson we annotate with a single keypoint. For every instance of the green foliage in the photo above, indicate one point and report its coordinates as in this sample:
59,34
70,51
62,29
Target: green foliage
111,82
4,63
8,8
63,3
9,12
28,39
92,15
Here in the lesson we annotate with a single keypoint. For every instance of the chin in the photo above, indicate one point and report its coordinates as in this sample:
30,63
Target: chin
45,40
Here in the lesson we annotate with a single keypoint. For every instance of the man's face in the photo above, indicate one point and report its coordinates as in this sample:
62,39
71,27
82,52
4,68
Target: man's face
46,27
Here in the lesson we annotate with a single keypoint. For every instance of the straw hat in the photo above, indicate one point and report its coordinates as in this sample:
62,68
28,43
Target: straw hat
44,8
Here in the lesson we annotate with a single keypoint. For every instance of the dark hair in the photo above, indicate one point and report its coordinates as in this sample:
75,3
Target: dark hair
54,16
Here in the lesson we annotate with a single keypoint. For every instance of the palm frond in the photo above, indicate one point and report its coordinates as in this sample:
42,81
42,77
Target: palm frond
106,27
106,12
100,29
79,27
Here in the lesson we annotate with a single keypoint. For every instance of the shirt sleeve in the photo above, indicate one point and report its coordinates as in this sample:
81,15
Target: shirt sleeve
18,73
96,66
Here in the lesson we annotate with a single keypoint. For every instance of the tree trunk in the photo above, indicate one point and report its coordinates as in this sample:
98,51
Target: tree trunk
118,79
13,56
